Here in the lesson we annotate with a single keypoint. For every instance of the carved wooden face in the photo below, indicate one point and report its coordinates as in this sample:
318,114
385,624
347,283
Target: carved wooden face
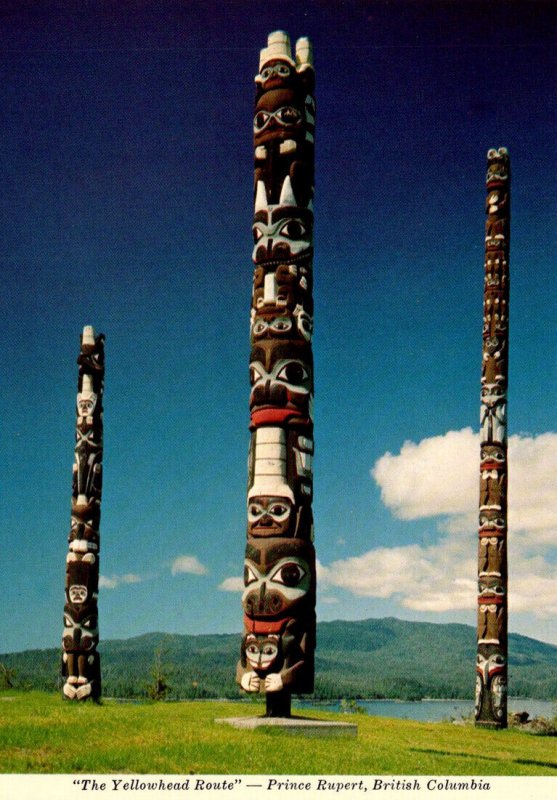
281,378
497,168
82,577
278,576
81,631
279,114
276,72
262,651
269,516
492,457
281,235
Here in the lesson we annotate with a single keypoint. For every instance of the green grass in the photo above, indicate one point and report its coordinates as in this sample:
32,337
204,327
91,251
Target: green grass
40,732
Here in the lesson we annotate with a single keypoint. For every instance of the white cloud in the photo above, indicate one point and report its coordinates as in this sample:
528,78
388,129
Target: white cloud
106,582
188,564
234,584
439,477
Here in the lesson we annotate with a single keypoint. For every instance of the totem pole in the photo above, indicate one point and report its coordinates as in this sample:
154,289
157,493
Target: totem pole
491,665
277,650
80,660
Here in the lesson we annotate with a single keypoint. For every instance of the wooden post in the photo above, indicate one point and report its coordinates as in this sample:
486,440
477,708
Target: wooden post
80,660
277,651
491,664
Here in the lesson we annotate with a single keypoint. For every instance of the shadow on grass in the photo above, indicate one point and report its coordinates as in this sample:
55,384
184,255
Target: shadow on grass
453,753
550,764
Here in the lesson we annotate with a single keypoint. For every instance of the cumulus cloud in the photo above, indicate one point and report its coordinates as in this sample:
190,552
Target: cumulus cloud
106,582
188,564
438,478
234,584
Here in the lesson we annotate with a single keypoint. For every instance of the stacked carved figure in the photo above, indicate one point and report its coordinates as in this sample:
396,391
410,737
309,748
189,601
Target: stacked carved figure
278,644
80,660
491,679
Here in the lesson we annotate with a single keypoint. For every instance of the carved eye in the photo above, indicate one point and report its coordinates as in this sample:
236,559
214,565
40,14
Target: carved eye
252,650
278,510
282,70
261,119
259,327
270,650
267,72
293,230
288,115
294,373
249,575
289,574
254,375
281,324
255,511
257,234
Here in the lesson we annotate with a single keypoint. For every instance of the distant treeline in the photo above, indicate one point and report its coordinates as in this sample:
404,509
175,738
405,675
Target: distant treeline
375,658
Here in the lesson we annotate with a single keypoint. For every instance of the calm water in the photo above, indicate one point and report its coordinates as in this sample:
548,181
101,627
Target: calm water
431,710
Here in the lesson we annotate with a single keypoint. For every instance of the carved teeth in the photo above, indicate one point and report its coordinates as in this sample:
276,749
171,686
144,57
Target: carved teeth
287,197
260,197
288,146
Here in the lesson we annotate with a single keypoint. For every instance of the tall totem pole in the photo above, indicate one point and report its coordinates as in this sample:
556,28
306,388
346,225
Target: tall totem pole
80,660
491,666
277,651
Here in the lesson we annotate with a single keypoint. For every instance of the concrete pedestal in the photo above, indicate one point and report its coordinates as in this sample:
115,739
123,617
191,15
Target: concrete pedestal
297,725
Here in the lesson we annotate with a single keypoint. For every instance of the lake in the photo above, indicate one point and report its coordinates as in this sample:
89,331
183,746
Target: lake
430,710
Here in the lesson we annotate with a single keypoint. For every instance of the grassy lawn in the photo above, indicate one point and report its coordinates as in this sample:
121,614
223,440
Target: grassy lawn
41,733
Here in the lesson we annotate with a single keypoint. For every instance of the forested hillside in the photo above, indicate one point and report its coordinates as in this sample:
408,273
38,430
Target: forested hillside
374,658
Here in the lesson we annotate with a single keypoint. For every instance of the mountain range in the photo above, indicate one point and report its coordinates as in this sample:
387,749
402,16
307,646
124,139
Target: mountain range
372,658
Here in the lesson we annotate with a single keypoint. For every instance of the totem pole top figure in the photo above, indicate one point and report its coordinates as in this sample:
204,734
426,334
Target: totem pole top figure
284,127
276,64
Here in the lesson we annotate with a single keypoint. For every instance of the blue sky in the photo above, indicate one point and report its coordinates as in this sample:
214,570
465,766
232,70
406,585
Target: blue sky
126,157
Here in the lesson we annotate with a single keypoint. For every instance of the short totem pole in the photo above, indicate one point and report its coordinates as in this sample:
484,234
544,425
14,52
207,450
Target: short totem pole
80,660
277,650
491,666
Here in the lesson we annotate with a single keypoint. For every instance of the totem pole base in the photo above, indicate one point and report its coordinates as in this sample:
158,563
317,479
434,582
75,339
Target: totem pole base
490,725
293,725
278,704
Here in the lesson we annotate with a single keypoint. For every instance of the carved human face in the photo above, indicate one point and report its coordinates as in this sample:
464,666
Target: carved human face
77,593
492,394
86,404
279,114
491,521
275,72
492,457
261,651
278,575
269,516
497,168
